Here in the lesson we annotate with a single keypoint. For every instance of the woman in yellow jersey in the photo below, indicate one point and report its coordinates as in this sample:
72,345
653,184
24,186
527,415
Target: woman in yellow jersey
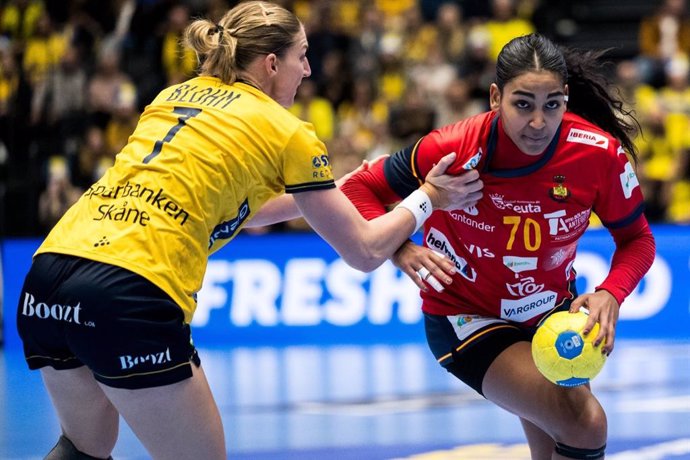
105,309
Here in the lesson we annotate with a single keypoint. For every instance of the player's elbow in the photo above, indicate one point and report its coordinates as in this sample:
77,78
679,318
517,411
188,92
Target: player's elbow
364,260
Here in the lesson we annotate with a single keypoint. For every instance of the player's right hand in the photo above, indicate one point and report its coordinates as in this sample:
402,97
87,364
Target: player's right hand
452,192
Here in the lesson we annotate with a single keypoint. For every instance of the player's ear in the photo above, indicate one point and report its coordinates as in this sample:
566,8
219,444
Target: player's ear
271,64
494,97
565,92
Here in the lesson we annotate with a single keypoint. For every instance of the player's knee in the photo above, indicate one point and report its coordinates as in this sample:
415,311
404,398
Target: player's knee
65,450
579,452
583,424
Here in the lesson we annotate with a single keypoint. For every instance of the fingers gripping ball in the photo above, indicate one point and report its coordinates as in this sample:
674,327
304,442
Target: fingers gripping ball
563,354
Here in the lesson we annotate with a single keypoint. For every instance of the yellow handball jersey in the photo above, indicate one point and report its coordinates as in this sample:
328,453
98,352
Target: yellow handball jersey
203,159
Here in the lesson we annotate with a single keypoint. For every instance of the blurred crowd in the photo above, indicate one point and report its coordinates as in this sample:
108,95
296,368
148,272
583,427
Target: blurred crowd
76,74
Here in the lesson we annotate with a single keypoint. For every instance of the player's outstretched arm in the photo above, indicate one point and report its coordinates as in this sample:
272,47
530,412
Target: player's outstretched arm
284,208
367,244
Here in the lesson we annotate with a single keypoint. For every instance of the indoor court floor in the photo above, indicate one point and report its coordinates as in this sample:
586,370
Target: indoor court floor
379,402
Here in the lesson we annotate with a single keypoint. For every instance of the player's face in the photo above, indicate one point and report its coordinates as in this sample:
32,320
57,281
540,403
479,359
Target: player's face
291,68
531,107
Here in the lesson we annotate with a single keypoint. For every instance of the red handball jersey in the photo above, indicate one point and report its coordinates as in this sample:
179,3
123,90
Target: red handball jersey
514,250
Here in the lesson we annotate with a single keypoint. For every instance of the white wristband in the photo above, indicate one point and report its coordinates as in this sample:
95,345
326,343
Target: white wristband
419,204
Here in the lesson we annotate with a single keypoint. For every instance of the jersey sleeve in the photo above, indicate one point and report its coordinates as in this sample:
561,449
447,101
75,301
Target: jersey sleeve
407,169
369,191
619,202
306,165
634,255
389,181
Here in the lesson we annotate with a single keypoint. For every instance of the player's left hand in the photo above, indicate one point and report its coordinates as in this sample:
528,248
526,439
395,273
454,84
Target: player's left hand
424,266
604,309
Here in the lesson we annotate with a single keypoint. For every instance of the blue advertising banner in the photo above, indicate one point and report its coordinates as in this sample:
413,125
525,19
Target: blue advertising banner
293,288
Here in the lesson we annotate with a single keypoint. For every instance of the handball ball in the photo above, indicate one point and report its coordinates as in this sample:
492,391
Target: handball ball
563,354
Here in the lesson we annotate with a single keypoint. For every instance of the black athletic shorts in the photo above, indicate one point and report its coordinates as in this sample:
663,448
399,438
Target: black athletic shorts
131,334
466,345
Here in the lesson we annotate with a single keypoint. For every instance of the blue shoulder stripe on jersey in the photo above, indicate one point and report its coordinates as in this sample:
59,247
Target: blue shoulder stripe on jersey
398,171
309,186
627,220
491,147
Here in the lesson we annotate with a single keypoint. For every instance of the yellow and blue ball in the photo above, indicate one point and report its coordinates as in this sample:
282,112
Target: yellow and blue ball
563,354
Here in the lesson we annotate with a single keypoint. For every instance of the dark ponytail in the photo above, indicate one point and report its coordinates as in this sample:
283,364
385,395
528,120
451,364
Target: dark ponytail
591,98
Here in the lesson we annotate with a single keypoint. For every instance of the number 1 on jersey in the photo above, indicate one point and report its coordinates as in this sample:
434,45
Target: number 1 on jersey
185,114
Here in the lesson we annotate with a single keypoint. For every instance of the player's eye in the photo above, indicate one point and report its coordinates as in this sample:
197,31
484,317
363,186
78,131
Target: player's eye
553,105
522,104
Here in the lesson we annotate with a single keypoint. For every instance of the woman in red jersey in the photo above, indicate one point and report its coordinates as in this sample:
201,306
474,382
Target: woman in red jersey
553,149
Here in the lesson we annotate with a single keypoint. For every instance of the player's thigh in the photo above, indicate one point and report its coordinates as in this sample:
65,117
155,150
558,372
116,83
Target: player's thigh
91,427
179,420
513,382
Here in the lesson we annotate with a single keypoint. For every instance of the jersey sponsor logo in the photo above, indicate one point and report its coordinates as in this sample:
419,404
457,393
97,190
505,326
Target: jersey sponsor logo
524,287
467,325
559,256
319,161
564,228
520,264
628,180
228,229
587,137
437,240
122,213
528,307
483,226
321,164
474,161
156,198
58,312
479,251
155,359
518,206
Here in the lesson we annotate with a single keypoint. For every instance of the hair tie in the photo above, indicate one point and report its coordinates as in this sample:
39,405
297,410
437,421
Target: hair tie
219,31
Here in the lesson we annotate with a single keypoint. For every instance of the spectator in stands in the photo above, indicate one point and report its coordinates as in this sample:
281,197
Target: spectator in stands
311,107
366,47
63,100
476,66
359,118
58,195
452,31
123,119
433,74
104,86
457,104
18,21
418,36
9,80
412,117
669,164
179,61
504,25
662,35
93,157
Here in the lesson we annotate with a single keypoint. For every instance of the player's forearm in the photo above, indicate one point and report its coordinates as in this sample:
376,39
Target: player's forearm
278,209
634,255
